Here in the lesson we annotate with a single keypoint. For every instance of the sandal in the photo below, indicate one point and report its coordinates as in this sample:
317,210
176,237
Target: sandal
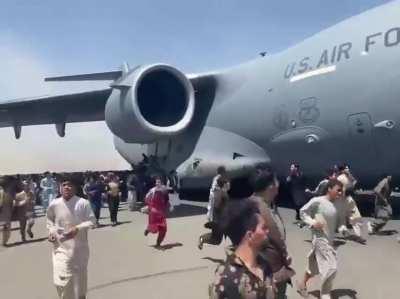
301,290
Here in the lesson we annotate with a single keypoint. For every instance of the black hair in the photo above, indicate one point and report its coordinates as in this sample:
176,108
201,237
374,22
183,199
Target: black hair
221,170
330,172
72,179
239,217
262,178
158,177
342,166
332,183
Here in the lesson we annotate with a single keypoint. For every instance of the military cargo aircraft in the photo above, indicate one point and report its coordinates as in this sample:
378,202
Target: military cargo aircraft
333,97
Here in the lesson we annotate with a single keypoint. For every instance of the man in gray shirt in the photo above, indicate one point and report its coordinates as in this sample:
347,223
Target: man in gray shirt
321,215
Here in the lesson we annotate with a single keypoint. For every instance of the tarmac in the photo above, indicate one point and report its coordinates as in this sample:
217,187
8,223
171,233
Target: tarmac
124,264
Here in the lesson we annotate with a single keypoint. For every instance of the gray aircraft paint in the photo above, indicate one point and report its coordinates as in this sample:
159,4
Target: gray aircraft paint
279,115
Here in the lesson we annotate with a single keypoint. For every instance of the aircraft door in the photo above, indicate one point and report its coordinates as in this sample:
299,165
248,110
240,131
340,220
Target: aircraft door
361,144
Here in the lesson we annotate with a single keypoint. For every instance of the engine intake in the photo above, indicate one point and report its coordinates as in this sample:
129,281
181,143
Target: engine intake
158,102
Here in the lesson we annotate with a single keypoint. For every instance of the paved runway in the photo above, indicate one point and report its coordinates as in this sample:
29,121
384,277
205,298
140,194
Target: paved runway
124,265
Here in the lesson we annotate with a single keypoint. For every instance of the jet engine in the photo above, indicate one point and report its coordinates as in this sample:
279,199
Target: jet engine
150,103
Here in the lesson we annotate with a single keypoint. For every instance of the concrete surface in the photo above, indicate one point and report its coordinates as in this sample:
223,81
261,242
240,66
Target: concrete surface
124,265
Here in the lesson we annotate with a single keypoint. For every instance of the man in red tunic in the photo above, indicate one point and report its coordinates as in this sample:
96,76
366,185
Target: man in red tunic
157,200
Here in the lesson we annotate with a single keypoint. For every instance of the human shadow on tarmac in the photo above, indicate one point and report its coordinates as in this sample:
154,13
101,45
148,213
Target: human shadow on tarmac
167,246
109,224
336,243
352,238
216,261
149,276
186,211
387,232
15,244
337,293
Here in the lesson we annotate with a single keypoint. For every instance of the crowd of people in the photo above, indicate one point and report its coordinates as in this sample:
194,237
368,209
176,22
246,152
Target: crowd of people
21,193
258,263
72,204
18,197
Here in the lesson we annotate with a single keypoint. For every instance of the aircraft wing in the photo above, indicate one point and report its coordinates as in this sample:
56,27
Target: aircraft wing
153,84
66,108
76,107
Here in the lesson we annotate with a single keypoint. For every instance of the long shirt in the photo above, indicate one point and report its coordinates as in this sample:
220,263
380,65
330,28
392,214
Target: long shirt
113,188
383,191
346,206
26,201
94,191
132,182
214,183
323,210
72,254
297,187
49,186
348,183
6,204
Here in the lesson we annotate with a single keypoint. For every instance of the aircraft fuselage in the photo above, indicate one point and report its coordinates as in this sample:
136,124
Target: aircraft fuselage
333,98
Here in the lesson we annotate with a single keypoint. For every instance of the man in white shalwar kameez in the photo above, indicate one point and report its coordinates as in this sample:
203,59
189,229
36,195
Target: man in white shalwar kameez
321,215
347,207
68,220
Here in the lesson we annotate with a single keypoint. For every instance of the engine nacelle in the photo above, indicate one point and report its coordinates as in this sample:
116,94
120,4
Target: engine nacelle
154,102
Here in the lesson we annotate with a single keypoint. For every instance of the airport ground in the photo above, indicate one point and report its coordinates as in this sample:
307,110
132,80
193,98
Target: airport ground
123,263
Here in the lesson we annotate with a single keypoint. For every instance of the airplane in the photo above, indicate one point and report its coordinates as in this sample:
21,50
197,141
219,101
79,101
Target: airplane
332,98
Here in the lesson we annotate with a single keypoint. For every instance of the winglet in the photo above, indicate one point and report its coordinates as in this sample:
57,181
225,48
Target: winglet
125,68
